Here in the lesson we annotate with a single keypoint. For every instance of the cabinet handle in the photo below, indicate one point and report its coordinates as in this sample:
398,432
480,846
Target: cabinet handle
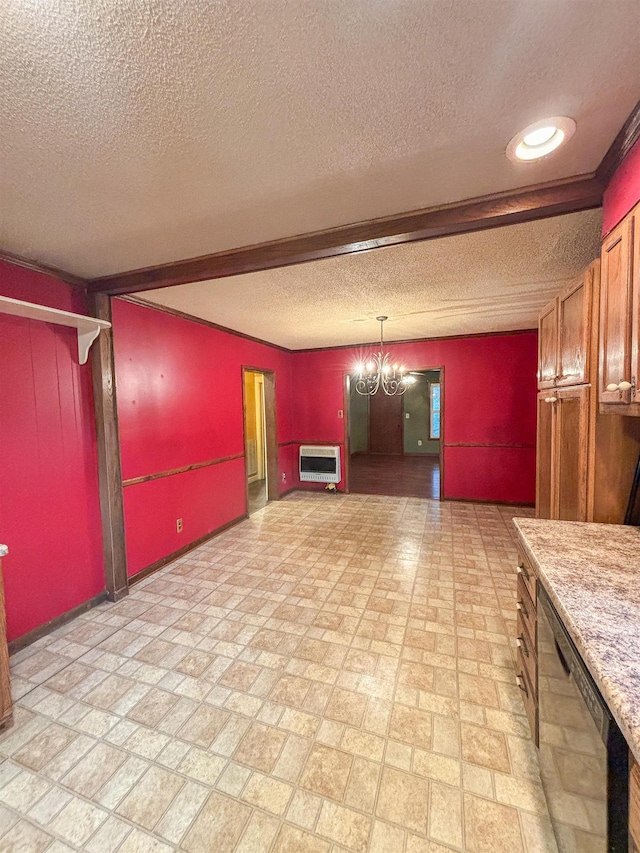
550,399
522,570
520,606
522,644
623,386
522,684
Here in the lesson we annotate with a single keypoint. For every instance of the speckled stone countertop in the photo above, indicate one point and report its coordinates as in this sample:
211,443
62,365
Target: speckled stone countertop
3,550
592,574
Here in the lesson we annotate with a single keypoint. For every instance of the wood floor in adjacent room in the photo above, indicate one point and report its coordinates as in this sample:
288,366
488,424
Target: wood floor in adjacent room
399,476
334,674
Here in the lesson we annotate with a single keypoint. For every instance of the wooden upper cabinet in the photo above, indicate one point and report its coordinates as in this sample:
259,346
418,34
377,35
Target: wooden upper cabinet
548,345
574,329
565,332
616,315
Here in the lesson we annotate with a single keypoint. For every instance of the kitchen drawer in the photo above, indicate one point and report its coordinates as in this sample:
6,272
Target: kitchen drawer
528,576
527,655
529,698
526,607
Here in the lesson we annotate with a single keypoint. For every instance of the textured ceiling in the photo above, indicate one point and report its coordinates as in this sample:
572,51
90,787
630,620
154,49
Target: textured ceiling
137,132
488,281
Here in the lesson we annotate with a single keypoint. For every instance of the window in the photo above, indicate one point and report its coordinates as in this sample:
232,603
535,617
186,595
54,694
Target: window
434,410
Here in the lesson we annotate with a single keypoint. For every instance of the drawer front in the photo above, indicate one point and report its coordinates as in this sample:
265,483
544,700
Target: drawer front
530,700
528,576
526,608
527,657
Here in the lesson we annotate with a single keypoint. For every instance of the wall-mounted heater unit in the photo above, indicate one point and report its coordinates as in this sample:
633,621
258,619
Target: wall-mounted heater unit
319,464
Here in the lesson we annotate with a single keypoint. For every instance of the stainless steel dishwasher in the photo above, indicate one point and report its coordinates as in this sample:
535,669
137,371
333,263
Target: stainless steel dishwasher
583,755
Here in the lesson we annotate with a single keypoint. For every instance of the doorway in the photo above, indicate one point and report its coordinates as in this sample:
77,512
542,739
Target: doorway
260,442
395,442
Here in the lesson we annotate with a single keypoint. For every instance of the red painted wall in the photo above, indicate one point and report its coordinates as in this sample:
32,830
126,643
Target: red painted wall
489,408
49,510
180,402
179,386
623,191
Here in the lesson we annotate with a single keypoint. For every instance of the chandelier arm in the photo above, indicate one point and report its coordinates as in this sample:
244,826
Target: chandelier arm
382,374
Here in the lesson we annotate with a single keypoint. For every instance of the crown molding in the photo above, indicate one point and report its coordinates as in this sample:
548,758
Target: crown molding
182,315
620,147
26,263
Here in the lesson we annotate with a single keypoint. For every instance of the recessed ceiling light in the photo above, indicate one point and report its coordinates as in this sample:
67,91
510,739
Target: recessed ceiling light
540,138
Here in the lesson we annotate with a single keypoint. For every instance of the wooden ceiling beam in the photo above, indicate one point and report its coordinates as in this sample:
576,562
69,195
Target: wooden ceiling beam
581,192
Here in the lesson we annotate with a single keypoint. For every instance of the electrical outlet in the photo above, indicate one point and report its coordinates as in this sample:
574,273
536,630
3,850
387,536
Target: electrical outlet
419,442
340,413
178,525
407,415
284,476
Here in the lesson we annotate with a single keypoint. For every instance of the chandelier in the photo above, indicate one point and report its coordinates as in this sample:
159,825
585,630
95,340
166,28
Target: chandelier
378,372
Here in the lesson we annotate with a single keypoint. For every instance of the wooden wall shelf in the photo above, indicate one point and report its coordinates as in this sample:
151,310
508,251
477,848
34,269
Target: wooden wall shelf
88,327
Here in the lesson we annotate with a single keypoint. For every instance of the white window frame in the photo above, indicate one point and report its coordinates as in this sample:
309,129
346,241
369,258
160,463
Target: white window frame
433,385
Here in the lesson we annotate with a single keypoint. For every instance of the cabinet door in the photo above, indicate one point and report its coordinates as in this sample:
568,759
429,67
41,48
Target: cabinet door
574,331
571,438
548,345
544,459
615,314
635,320
6,707
634,805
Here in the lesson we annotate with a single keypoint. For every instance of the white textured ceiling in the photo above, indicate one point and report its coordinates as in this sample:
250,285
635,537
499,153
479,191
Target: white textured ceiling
137,132
488,281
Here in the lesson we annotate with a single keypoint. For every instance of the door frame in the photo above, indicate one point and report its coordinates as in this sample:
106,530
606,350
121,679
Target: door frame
346,385
270,429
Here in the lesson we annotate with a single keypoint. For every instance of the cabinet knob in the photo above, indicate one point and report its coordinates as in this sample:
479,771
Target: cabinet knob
624,386
521,684
550,399
612,386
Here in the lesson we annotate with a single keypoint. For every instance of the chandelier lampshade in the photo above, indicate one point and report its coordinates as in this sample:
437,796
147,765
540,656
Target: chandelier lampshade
378,373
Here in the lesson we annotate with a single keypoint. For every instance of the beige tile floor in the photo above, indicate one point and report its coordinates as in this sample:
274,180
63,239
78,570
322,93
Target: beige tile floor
335,674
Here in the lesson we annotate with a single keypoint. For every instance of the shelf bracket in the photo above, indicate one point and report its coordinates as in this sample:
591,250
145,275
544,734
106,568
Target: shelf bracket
85,338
